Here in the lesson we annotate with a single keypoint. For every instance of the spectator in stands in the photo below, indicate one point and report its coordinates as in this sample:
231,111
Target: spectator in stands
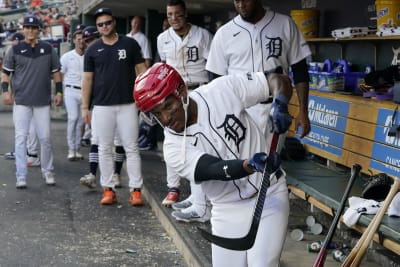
55,11
46,32
61,19
37,3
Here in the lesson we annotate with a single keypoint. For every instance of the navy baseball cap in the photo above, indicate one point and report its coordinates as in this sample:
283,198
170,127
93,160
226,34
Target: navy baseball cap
31,21
79,27
102,11
17,36
90,32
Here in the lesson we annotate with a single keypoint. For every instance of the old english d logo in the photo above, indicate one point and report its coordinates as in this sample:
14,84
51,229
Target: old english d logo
273,47
234,129
192,53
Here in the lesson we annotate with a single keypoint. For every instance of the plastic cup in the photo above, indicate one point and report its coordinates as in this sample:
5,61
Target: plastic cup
310,221
316,229
297,235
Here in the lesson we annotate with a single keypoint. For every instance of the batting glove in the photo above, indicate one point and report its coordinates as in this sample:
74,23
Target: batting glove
279,117
258,160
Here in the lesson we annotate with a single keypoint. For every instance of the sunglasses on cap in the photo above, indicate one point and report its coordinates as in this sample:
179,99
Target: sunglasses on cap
105,23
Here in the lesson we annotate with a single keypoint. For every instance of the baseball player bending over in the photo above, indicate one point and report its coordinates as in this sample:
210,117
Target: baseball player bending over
210,139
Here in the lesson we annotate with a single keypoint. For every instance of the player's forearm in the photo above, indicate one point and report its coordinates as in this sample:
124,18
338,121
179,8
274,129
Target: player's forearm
302,95
212,168
86,90
5,80
280,84
5,76
140,68
148,62
57,77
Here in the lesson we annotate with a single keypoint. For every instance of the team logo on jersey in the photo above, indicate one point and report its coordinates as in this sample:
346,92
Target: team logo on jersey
234,129
41,51
193,54
121,54
273,47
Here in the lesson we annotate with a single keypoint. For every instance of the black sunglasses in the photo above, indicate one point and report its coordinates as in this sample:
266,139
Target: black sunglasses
105,23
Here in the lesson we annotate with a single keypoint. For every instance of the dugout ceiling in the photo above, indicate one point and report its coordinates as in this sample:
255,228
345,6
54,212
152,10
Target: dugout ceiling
126,8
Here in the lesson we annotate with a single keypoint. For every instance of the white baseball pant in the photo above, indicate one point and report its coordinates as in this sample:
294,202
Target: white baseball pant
233,220
122,120
73,102
22,116
32,142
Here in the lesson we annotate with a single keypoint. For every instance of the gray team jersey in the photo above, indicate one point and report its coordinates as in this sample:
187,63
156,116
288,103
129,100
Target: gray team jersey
31,69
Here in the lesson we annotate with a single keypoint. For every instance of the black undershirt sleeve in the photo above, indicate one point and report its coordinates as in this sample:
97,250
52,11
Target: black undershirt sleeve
300,72
212,168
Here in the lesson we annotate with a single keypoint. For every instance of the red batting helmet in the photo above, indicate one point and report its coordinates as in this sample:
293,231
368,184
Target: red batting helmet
155,84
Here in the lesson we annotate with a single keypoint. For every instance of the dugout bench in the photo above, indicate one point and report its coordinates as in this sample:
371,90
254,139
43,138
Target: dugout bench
346,129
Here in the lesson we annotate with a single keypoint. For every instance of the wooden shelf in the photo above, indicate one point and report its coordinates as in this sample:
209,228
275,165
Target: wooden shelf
366,38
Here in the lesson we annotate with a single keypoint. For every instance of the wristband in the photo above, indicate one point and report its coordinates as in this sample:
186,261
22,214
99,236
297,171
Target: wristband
4,86
59,94
59,88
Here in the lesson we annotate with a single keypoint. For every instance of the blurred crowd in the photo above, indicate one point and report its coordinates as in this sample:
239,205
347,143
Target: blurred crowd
60,14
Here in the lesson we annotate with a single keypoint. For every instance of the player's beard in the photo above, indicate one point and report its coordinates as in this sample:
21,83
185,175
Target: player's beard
179,30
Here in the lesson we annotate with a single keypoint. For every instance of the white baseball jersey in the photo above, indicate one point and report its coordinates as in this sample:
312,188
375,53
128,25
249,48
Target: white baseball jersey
274,41
242,46
143,43
188,55
72,68
225,131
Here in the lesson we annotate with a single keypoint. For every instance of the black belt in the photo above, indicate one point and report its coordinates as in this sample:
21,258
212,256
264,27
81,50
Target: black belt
73,86
269,101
